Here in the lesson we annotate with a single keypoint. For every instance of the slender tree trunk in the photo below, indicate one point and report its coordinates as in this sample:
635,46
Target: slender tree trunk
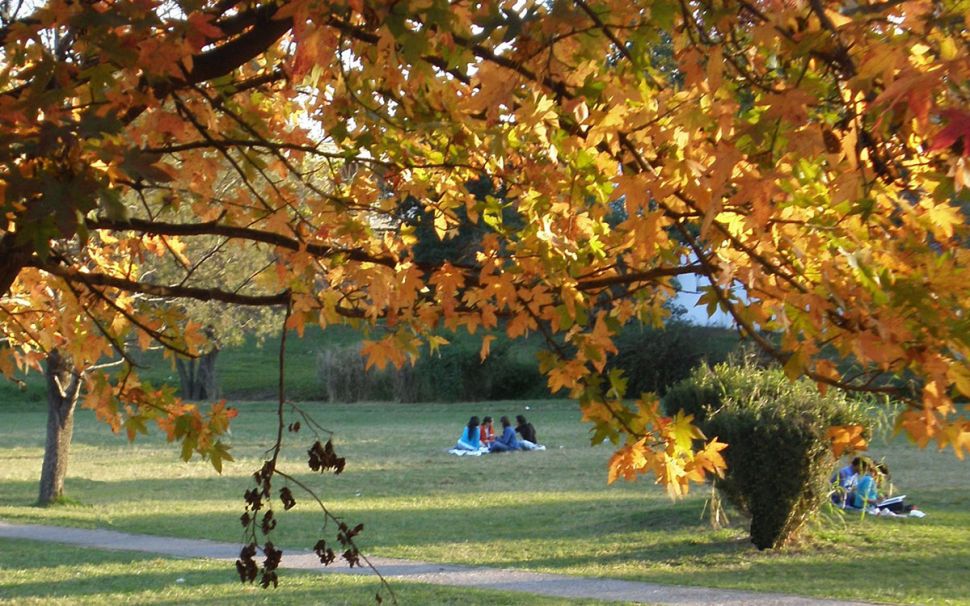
208,382
63,387
197,376
186,370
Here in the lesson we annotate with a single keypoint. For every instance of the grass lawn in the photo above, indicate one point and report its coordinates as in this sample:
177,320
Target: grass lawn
547,511
34,573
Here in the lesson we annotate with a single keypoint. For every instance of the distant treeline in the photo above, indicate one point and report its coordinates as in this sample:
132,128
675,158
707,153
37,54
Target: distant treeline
326,365
652,359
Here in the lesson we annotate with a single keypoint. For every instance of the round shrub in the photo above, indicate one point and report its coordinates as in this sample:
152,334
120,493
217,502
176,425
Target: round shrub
778,456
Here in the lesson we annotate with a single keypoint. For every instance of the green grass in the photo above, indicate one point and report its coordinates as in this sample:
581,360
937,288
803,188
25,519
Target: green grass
545,511
35,573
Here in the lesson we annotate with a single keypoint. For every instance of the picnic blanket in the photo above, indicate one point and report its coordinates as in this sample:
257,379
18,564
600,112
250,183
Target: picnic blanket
468,453
477,453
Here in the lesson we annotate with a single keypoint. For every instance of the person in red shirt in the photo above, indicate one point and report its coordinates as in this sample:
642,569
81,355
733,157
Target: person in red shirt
487,431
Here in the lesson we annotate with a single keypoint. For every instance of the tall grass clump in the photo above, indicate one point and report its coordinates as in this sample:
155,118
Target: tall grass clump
779,456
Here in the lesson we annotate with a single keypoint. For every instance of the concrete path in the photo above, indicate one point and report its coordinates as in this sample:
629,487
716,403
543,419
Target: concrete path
423,572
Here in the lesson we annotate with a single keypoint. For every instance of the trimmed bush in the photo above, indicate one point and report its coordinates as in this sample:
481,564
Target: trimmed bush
779,457
692,398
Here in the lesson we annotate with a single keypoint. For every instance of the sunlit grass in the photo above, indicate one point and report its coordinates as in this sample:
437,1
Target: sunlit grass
548,511
36,573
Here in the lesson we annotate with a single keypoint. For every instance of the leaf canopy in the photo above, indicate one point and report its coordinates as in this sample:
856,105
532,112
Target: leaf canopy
807,160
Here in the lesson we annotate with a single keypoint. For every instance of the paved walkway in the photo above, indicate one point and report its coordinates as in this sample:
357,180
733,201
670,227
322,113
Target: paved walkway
423,572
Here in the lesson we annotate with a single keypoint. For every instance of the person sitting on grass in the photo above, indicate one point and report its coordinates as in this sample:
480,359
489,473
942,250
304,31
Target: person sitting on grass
866,494
507,441
525,429
471,438
844,481
528,433
897,506
487,432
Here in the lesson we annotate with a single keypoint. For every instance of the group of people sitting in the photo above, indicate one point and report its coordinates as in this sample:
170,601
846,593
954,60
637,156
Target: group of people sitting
856,487
479,437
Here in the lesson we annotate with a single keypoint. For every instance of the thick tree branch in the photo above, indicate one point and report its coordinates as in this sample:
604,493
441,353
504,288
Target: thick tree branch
640,276
241,233
226,58
167,291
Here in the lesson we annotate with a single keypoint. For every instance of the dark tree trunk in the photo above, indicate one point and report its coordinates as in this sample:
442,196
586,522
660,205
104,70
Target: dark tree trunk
63,386
197,376
13,257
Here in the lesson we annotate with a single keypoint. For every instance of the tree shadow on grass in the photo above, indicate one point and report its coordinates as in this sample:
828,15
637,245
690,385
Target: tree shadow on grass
876,576
222,581
425,527
425,523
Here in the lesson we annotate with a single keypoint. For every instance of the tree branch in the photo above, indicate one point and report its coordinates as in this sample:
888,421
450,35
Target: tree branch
640,276
239,233
171,292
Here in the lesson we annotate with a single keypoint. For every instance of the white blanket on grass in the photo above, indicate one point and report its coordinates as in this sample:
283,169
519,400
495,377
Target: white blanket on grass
468,453
477,453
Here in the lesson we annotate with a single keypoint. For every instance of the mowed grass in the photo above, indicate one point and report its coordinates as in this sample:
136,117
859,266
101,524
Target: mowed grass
547,511
35,573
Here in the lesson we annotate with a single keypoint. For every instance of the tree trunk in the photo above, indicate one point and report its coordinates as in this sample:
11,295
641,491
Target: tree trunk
198,376
63,387
186,370
207,375
13,257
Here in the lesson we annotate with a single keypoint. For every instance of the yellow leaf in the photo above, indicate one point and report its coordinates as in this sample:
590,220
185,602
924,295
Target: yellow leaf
674,477
682,432
943,216
958,436
710,458
434,342
440,224
837,18
486,346
959,375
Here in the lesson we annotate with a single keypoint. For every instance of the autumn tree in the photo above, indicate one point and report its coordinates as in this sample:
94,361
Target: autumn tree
807,160
63,388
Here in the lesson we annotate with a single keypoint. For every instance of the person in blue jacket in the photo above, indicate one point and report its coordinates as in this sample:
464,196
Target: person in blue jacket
866,493
471,437
844,482
507,441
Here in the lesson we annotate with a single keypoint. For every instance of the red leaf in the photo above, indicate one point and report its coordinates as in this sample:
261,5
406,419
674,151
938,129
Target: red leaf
958,127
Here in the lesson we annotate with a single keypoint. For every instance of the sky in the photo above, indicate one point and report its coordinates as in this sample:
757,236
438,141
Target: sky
687,297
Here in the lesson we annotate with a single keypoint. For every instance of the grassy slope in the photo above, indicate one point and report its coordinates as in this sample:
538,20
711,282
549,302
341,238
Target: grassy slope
546,511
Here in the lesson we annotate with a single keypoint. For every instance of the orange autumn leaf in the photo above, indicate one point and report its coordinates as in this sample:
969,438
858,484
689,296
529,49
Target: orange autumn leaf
846,439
